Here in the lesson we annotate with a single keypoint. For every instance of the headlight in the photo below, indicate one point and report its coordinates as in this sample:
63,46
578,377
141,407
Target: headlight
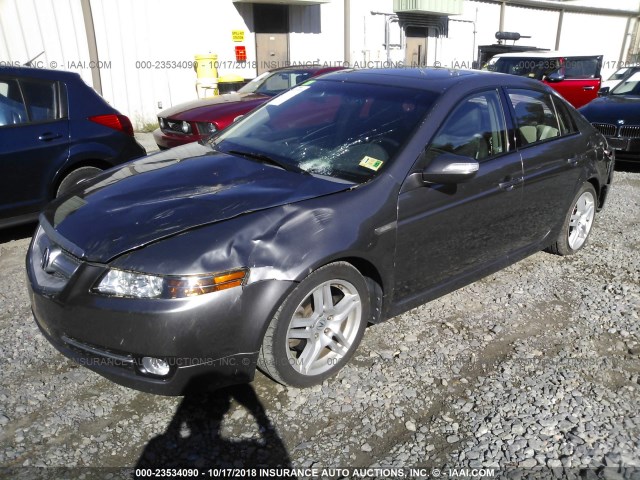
122,283
185,127
206,128
161,123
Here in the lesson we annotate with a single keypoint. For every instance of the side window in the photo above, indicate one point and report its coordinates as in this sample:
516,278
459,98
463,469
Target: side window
565,119
12,109
476,128
40,98
535,116
581,67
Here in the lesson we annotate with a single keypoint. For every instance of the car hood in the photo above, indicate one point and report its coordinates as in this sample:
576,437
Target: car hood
613,108
203,109
168,193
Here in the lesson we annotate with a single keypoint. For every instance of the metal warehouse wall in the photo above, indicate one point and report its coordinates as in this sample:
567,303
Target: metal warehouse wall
146,48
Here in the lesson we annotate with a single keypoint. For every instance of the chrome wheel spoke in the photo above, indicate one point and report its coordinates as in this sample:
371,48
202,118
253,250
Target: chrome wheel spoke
344,307
339,344
310,355
303,322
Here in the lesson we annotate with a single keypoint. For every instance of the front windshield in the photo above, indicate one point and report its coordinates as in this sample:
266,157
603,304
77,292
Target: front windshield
631,86
273,83
344,130
618,74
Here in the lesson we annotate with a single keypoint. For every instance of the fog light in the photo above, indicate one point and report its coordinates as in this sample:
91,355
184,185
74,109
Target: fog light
155,366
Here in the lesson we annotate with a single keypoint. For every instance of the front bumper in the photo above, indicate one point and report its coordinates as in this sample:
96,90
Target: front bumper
166,140
209,341
627,149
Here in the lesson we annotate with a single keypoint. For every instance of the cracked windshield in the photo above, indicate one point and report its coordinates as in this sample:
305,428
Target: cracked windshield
344,131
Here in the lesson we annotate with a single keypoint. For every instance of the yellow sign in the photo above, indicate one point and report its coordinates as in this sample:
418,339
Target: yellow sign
237,35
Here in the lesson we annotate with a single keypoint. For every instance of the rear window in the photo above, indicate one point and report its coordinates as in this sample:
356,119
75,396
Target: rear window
40,97
12,109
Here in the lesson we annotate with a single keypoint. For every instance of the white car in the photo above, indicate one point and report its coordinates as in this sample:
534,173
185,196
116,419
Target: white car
619,76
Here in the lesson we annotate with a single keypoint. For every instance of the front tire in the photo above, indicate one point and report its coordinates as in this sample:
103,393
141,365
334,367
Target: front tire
317,328
578,222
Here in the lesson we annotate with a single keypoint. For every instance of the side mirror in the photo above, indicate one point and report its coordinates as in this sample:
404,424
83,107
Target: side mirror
450,168
604,91
555,77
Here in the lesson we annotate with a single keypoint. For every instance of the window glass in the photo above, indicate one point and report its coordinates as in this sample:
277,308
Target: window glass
40,97
348,131
535,116
279,82
581,67
532,67
12,110
567,124
476,129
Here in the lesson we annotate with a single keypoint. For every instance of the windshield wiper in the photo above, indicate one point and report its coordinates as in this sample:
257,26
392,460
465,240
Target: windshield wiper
261,157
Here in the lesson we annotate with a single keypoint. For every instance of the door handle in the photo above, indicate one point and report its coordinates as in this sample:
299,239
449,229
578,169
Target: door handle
588,88
573,161
47,137
510,184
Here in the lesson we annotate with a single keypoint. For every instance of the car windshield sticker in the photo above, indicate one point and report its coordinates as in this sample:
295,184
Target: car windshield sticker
280,99
371,163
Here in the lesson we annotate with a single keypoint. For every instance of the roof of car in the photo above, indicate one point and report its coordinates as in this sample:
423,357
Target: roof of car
38,73
430,78
538,54
307,68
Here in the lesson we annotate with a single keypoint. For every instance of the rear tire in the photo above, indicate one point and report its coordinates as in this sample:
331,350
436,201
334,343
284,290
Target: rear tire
317,328
578,222
76,176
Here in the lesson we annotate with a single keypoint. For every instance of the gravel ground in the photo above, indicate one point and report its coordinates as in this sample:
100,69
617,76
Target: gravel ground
536,366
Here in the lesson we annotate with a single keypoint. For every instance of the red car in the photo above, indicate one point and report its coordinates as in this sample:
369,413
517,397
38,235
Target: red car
575,77
196,120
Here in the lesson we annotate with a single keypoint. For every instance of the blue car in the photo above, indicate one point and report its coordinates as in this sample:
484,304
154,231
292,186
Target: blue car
55,131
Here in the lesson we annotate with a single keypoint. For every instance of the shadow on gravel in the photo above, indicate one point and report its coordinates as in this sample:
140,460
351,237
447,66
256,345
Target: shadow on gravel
17,233
194,438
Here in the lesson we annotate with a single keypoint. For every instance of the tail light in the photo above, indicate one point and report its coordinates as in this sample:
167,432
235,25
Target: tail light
115,121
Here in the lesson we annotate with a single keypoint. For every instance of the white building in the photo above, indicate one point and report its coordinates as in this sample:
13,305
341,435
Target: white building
140,54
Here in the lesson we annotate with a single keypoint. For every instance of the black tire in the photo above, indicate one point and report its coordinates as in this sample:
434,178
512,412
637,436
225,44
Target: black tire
291,359
76,176
578,222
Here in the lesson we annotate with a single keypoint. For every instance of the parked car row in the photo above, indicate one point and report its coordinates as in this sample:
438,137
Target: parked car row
577,78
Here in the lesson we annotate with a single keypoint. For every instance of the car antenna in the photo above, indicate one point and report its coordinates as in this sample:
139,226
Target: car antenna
28,64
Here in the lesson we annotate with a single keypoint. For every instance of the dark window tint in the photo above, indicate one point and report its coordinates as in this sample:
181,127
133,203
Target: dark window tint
12,110
535,116
582,67
565,119
270,18
40,98
531,67
476,128
281,81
